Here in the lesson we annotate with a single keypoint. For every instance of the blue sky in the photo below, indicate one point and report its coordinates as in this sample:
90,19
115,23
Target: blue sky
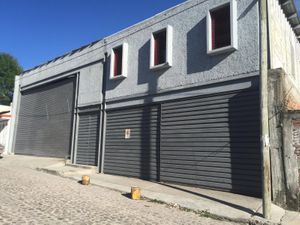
35,31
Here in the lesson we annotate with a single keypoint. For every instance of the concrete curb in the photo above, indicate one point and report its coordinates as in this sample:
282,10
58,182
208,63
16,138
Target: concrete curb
81,166
181,203
49,171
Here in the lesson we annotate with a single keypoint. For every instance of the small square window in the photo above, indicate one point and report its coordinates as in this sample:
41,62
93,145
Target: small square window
222,28
161,48
118,62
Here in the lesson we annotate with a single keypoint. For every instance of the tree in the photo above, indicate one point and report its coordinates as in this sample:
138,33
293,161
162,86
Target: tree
9,68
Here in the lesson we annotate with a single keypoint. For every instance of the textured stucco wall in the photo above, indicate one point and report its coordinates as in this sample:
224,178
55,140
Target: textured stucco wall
90,85
191,64
68,63
88,63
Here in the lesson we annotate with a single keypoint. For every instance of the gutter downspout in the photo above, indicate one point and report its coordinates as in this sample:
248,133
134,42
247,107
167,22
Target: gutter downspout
75,121
265,145
103,109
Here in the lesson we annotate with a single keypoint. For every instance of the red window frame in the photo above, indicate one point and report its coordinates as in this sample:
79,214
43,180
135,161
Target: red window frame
220,27
118,60
160,47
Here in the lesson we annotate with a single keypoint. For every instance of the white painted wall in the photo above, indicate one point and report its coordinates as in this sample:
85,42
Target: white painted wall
4,134
284,46
14,118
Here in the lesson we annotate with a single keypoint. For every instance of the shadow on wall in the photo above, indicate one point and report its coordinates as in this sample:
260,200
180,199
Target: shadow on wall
145,155
145,74
149,148
150,115
144,125
197,58
110,85
248,9
244,133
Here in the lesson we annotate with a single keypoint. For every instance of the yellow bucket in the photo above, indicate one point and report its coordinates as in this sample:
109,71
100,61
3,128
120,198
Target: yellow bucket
135,193
85,180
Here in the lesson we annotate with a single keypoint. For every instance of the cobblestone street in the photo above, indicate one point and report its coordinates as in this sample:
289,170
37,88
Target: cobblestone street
31,197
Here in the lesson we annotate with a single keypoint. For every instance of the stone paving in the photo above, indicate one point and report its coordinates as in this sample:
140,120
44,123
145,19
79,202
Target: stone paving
31,197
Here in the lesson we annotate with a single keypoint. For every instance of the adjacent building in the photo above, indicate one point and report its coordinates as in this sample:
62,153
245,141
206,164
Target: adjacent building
5,116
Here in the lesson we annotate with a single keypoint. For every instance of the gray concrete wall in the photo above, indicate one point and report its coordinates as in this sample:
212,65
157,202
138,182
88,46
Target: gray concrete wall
291,162
213,88
296,139
89,66
275,108
90,85
191,64
283,139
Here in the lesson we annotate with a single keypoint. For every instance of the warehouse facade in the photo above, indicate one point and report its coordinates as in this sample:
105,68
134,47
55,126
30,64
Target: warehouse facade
174,98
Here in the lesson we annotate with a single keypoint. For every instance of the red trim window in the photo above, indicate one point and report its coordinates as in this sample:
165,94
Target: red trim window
160,47
118,58
220,27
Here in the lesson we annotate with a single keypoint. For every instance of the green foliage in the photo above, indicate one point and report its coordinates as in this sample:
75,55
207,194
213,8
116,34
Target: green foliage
9,68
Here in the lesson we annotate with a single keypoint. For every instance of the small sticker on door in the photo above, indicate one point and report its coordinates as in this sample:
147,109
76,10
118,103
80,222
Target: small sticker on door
127,133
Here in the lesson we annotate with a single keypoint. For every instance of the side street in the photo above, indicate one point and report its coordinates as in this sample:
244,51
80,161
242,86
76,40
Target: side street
32,197
48,199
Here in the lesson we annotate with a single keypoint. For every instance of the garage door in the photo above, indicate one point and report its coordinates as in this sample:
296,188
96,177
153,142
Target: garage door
88,138
213,142
45,120
132,142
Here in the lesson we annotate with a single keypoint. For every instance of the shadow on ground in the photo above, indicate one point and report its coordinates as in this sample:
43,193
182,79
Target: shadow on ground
239,207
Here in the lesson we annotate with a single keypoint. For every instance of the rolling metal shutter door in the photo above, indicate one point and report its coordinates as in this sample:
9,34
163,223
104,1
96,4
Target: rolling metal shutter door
213,142
137,156
88,138
45,120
